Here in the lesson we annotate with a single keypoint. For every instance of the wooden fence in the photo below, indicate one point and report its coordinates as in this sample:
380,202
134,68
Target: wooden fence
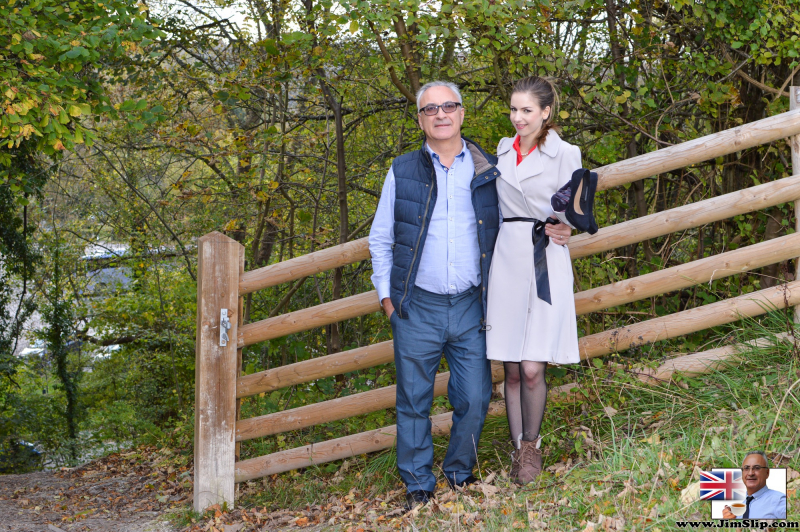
222,282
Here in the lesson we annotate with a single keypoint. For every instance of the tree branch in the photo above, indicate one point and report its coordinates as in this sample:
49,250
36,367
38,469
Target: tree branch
407,52
392,73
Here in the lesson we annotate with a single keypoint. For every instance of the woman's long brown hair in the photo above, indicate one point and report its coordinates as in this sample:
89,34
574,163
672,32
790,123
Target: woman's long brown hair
544,92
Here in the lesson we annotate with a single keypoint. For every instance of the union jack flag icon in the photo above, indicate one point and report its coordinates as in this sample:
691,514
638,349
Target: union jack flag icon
722,485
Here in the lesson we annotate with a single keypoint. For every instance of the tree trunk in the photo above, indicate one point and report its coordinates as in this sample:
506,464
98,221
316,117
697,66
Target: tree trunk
335,342
617,55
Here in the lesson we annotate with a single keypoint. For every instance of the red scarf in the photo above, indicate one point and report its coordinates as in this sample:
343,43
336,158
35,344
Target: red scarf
519,153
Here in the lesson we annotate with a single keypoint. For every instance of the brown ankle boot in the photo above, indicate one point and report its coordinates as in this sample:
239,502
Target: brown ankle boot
530,462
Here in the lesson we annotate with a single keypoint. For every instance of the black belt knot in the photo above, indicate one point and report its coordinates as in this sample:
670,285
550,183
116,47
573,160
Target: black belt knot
540,242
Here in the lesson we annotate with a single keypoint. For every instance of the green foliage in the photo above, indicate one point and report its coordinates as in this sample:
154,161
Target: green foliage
154,371
32,411
49,75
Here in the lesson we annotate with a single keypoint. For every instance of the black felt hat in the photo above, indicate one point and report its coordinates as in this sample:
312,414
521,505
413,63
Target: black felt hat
580,207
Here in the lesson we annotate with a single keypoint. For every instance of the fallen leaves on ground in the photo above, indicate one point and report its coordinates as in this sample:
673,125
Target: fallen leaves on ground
690,494
358,511
129,486
605,524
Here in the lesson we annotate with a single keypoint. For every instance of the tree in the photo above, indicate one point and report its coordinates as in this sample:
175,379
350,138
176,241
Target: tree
57,59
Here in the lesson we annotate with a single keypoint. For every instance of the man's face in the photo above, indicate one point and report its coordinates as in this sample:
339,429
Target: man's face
754,480
441,126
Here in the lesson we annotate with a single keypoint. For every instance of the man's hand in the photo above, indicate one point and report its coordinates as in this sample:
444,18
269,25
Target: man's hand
388,308
558,233
727,514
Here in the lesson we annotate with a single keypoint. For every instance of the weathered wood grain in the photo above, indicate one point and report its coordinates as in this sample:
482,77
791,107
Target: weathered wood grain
309,318
215,371
705,361
690,274
794,147
695,151
319,261
317,368
686,217
689,321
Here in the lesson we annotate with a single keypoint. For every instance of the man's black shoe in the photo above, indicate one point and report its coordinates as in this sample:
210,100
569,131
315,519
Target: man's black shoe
417,497
464,483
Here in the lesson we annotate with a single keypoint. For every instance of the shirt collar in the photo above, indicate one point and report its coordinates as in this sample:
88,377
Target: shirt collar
760,492
435,155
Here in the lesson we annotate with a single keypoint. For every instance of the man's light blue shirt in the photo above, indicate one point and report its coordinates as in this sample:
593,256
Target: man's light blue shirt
768,504
450,261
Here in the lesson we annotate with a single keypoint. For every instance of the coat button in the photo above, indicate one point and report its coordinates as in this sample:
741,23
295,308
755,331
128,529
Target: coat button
480,221
484,255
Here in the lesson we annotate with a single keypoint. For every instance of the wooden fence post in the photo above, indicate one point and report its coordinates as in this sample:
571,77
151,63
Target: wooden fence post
215,371
794,143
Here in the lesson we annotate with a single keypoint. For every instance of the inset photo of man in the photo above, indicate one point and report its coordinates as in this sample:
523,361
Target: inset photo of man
765,492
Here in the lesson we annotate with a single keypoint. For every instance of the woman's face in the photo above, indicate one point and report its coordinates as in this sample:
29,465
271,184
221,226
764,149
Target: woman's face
526,115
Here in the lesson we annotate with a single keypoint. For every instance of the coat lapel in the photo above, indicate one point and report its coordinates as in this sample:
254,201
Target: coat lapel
507,162
533,164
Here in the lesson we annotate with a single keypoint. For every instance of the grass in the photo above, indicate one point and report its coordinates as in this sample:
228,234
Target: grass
620,471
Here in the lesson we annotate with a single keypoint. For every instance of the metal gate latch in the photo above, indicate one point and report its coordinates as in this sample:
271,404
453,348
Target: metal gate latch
224,327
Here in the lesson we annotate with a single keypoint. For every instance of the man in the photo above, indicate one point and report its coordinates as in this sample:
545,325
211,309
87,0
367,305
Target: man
762,502
431,244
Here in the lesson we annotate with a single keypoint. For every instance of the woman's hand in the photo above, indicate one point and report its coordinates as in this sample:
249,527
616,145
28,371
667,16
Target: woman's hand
558,233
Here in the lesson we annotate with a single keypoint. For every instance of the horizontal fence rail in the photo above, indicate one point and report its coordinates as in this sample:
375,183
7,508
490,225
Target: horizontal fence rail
317,262
703,362
695,151
345,447
335,409
689,321
317,368
689,274
309,318
686,217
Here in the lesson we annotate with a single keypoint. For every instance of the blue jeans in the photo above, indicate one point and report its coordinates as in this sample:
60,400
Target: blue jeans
450,324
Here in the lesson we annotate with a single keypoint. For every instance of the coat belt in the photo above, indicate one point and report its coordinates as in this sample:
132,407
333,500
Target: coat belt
540,242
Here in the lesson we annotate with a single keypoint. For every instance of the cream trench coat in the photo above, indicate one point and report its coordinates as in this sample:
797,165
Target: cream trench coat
520,326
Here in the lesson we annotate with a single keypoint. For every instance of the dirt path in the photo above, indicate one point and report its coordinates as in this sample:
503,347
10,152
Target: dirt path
119,493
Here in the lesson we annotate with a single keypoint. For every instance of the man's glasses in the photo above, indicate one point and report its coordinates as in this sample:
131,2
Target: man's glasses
447,107
754,469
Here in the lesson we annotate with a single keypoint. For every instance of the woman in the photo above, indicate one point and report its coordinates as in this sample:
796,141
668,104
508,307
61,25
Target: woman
531,310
